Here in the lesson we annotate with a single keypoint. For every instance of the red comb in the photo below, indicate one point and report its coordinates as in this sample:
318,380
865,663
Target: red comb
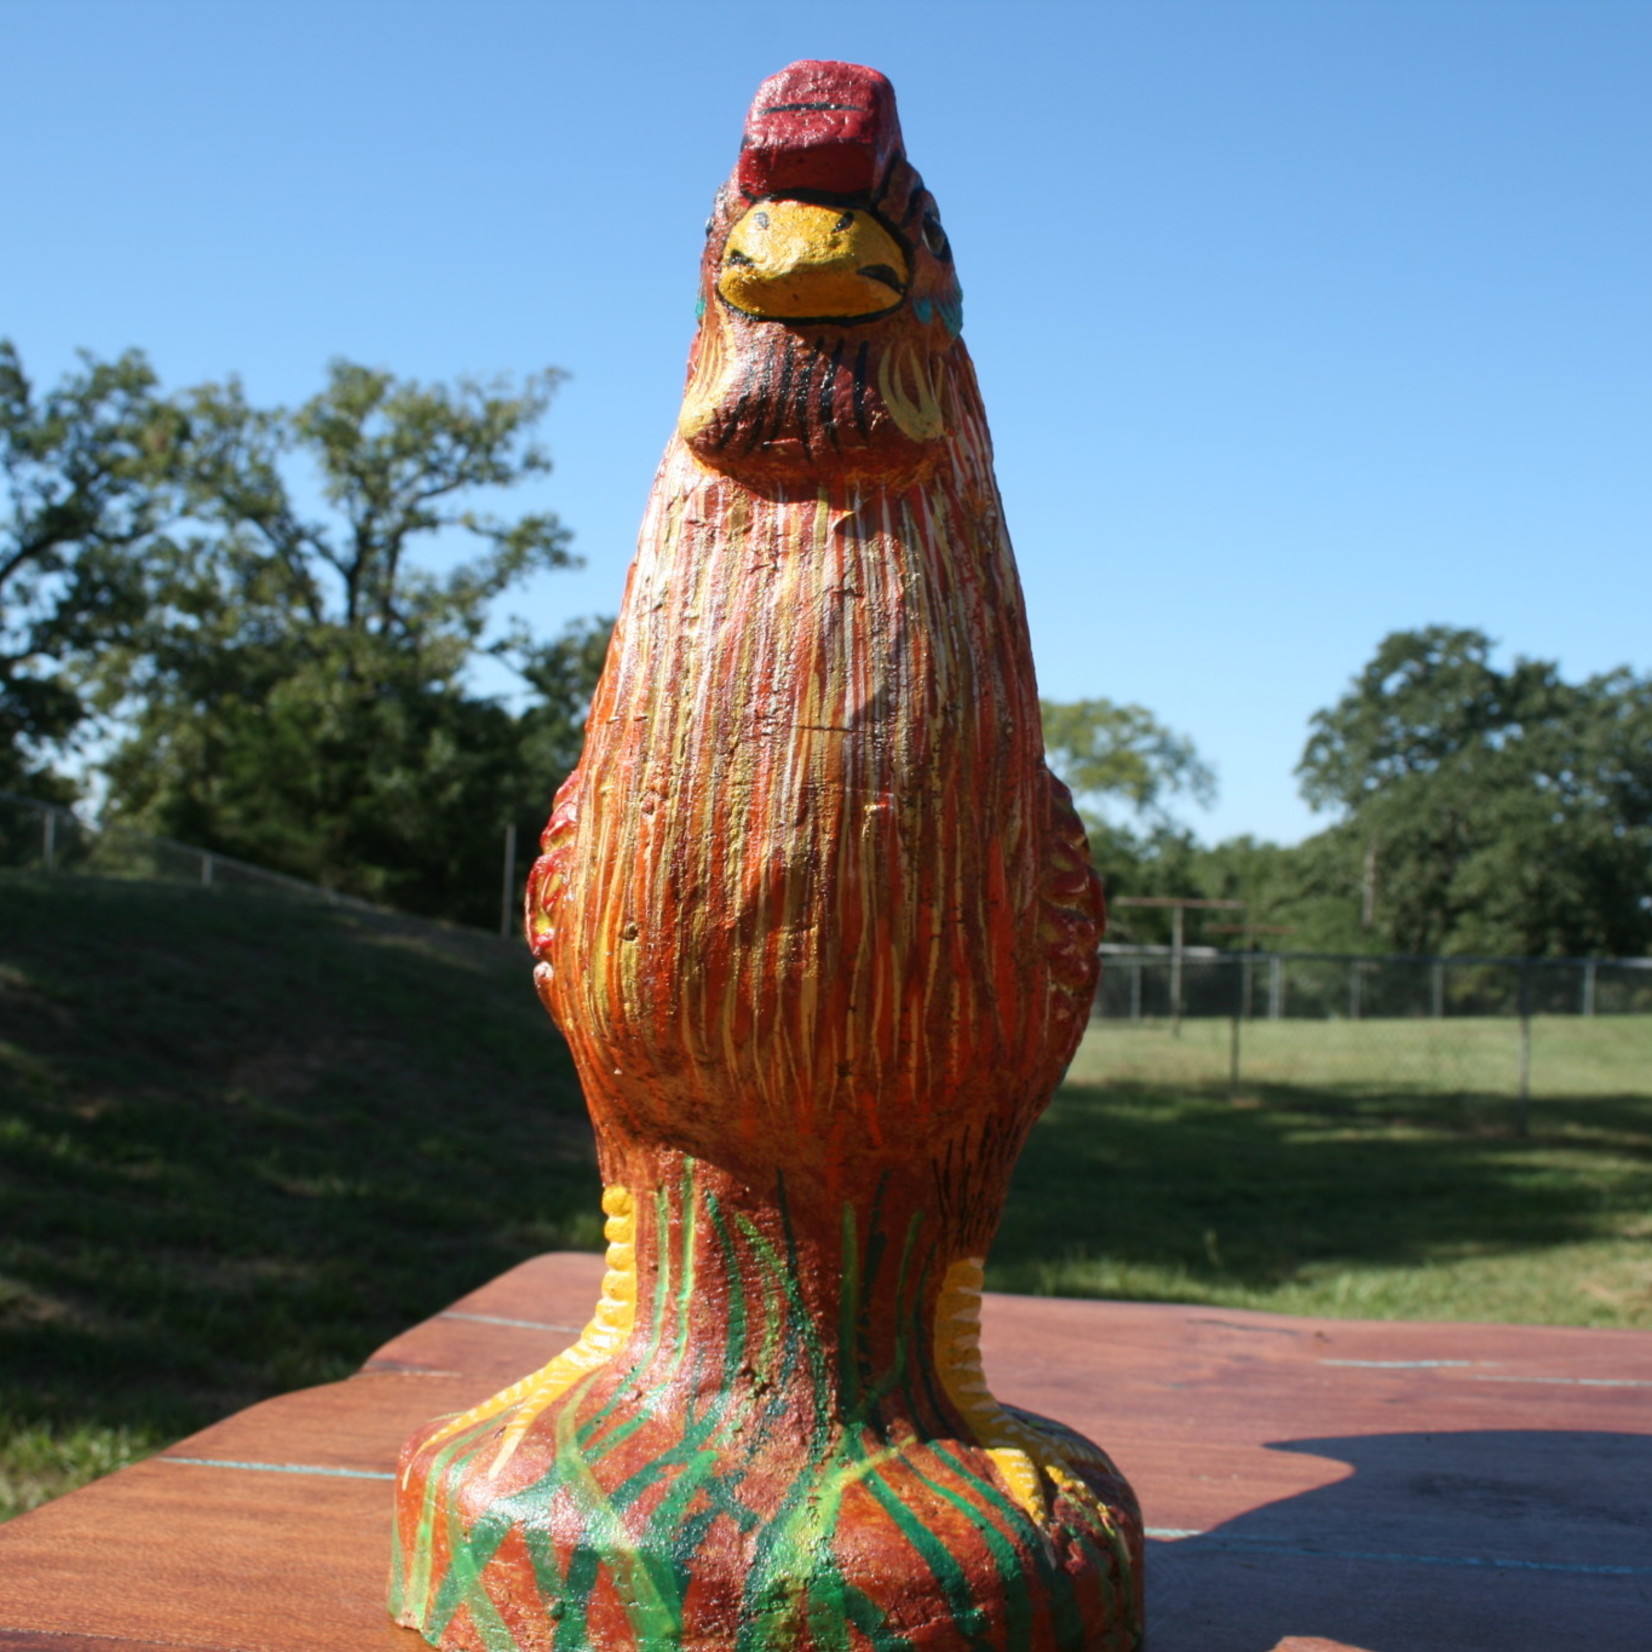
826,126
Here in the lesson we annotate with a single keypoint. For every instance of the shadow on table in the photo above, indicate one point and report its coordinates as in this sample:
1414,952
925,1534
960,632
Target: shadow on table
1488,1541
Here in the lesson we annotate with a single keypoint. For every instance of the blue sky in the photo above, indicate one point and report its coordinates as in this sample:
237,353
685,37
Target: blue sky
1298,320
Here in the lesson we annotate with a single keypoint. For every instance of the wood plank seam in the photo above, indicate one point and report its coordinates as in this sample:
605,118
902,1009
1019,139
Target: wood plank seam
279,1468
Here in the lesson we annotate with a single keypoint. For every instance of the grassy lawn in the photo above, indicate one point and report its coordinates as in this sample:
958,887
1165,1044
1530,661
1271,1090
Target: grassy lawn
244,1140
1386,1180
1571,1056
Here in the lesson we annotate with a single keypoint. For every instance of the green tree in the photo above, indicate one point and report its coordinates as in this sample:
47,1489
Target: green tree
1486,810
86,468
561,674
1126,770
299,693
1111,754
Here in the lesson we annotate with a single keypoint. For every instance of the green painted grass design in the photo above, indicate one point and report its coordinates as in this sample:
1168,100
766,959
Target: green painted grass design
943,1564
1009,1565
795,1590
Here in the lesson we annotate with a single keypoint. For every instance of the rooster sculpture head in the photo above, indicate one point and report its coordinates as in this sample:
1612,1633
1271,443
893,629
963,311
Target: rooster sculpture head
830,310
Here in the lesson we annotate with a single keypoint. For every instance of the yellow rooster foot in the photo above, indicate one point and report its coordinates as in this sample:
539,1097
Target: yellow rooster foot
1035,1457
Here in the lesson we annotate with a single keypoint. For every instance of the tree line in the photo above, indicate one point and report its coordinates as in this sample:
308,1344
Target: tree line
221,612
228,617
1474,810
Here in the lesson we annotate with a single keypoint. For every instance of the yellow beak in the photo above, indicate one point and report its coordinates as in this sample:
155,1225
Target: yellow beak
795,261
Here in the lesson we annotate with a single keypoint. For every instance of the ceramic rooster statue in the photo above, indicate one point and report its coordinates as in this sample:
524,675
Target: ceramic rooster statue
820,929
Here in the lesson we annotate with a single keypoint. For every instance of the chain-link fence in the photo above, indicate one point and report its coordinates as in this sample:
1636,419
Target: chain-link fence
49,838
1195,1017
1519,1027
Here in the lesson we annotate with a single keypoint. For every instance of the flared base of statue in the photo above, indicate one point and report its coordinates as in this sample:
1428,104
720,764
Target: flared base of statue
714,1465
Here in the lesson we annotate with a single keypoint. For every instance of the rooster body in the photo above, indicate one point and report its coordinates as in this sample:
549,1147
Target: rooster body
820,929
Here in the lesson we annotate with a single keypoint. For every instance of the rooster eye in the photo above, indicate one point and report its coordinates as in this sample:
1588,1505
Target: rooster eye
935,237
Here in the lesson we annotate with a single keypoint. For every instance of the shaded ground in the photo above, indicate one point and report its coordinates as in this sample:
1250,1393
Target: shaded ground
1349,1200
244,1140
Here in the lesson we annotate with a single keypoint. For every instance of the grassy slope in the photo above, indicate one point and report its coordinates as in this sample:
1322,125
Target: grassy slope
244,1140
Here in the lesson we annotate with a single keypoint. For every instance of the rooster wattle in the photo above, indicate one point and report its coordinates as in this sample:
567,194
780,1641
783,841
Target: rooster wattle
820,930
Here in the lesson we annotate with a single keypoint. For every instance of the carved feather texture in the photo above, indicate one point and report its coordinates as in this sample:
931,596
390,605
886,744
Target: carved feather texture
814,879
820,930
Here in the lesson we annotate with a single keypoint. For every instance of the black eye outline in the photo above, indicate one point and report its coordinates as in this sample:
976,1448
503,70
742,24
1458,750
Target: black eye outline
935,237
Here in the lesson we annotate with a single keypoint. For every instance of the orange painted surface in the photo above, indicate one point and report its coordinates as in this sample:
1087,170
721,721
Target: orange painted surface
820,929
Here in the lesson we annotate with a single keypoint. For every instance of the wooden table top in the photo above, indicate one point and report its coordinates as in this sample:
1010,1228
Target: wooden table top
1309,1485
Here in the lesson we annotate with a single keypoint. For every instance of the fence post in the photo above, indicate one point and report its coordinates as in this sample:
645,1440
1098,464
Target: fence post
1135,993
1233,1037
1175,972
1276,987
48,833
206,870
1438,985
1354,967
507,898
1589,987
1523,1113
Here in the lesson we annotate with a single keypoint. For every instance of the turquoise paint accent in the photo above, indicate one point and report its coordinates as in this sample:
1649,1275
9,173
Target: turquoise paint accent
522,1324
279,1468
